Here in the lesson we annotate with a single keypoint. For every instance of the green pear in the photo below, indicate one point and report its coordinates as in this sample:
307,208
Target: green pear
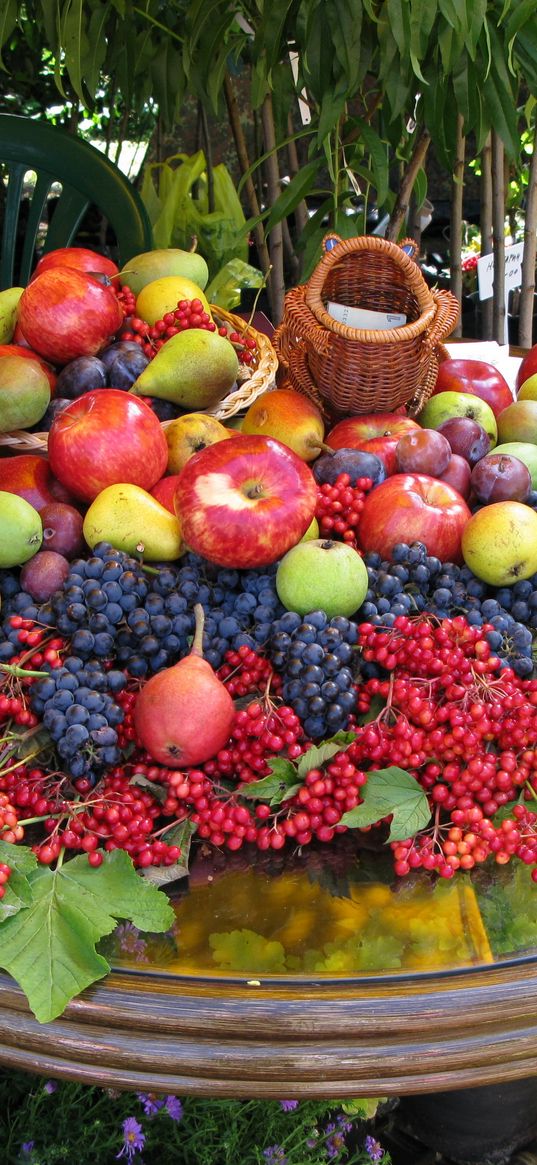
152,265
9,302
195,369
132,520
24,393
21,530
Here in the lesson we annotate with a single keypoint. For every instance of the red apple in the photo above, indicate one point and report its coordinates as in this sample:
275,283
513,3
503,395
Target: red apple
376,433
245,501
106,437
29,476
23,350
164,491
412,507
65,313
527,367
477,377
458,474
80,258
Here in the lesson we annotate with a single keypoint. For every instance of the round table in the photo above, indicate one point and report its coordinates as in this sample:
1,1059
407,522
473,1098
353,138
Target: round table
313,974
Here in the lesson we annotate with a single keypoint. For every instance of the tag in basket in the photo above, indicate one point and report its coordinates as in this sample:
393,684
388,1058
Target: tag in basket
359,317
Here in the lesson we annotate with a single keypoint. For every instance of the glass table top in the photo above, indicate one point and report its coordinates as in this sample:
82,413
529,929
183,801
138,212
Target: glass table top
329,913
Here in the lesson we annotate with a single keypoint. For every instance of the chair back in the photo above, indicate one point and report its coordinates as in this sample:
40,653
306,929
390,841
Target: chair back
87,178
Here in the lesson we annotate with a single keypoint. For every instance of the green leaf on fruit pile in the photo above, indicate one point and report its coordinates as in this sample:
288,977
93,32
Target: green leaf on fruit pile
375,707
278,786
180,835
394,793
19,857
49,947
316,757
159,792
18,896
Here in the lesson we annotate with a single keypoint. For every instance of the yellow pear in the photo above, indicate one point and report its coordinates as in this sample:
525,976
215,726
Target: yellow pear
132,520
290,417
142,269
9,303
163,295
195,369
190,433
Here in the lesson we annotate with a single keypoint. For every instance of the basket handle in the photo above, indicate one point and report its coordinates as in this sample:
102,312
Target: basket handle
445,318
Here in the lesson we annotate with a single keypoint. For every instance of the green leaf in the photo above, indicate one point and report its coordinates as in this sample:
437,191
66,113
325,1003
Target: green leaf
420,187
49,947
277,787
294,192
8,20
74,44
380,162
394,793
19,857
180,835
17,897
316,756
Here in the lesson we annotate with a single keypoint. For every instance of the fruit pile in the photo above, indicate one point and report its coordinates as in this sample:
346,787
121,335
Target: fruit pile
242,632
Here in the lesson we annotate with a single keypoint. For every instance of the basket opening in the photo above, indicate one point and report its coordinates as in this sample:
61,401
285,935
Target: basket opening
359,280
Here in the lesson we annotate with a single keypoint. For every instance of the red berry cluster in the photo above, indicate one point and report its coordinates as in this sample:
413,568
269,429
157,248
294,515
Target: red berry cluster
5,872
126,298
259,731
465,728
189,313
10,830
315,811
339,507
245,671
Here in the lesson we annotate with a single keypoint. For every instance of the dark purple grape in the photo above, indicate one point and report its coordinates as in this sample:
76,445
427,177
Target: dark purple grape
80,376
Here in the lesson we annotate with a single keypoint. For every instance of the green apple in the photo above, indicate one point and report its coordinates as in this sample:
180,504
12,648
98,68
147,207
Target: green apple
526,452
518,422
24,393
446,405
499,543
150,265
322,575
21,530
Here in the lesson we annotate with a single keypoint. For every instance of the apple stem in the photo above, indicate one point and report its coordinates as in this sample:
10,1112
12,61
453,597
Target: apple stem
197,642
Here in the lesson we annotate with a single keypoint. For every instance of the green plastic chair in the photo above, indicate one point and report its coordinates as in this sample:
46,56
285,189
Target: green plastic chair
87,179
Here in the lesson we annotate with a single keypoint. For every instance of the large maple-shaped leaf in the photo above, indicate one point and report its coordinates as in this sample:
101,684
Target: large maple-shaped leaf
391,792
49,947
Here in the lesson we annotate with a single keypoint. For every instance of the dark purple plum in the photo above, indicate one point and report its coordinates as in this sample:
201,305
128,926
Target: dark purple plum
356,462
499,477
126,368
57,405
62,529
467,438
80,376
44,574
118,348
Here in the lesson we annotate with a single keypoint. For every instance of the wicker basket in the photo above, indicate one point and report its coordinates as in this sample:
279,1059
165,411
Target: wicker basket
253,379
348,370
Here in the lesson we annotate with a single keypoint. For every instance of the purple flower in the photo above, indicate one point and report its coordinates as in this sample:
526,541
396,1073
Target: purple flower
174,1108
288,1105
275,1155
151,1103
50,1086
335,1133
130,942
373,1149
27,1147
133,1138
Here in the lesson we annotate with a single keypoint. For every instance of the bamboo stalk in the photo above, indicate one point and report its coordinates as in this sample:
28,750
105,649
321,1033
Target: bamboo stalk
244,164
400,210
301,211
276,285
498,237
455,229
485,218
527,289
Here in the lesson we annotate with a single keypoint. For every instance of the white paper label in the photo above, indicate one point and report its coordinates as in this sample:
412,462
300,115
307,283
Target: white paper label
360,317
513,270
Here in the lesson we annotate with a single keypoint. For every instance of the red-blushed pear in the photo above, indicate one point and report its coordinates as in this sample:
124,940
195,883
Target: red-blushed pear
188,434
527,367
499,543
183,714
376,433
103,438
290,417
477,377
29,476
24,393
244,502
65,313
518,422
447,405
413,508
81,258
29,354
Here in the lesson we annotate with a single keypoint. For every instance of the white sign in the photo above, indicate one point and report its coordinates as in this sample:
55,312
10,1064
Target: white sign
513,270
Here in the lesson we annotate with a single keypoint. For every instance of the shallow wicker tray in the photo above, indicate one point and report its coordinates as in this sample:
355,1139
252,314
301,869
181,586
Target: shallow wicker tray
253,379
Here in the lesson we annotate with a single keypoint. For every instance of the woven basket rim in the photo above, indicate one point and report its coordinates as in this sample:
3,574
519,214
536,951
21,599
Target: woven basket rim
416,284
251,385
